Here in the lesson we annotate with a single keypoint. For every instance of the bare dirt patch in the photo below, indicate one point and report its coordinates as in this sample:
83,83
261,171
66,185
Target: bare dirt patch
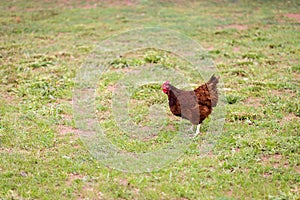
210,48
267,174
71,4
72,177
13,151
64,130
276,160
119,2
253,101
295,16
9,99
236,49
88,192
124,182
112,88
239,27
229,193
285,94
288,118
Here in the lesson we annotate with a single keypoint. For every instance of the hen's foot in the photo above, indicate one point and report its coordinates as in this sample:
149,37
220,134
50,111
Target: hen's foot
191,129
197,131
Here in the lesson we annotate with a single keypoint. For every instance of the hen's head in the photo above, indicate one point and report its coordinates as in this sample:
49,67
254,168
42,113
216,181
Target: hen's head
166,87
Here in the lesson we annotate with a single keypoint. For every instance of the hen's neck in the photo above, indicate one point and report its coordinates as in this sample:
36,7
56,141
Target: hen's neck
173,88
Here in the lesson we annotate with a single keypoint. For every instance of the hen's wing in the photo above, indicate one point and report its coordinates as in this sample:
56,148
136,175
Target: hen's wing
184,103
207,94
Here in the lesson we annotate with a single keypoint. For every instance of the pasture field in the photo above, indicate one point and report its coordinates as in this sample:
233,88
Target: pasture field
255,46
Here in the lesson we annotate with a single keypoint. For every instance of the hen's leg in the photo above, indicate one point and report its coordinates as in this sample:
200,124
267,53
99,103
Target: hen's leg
192,128
198,130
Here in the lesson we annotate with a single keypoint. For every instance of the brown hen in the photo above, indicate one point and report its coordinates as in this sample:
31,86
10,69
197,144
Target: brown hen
195,105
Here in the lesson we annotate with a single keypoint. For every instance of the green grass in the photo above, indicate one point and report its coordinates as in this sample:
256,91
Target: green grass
255,47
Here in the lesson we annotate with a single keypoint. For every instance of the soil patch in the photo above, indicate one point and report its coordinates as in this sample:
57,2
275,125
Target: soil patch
234,26
276,160
295,16
63,130
288,118
253,101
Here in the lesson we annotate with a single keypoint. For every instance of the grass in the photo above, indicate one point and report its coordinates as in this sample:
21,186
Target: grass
255,47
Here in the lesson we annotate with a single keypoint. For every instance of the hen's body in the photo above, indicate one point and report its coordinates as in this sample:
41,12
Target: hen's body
195,105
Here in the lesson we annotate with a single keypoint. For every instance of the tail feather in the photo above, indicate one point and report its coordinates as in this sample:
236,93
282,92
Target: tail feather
213,90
